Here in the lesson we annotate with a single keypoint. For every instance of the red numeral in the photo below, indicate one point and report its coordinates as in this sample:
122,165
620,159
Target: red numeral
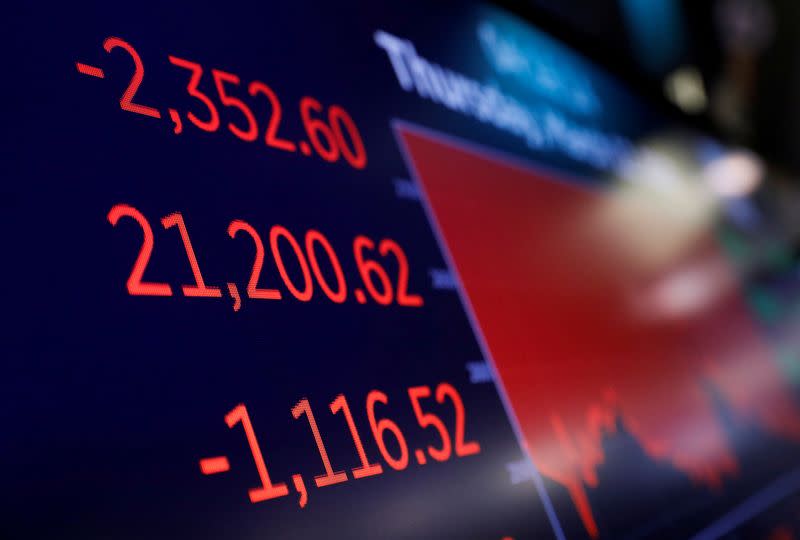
367,268
136,286
220,78
252,286
357,157
190,290
380,426
316,128
274,235
267,489
313,237
197,71
126,102
271,137
443,391
367,468
427,419
329,477
403,298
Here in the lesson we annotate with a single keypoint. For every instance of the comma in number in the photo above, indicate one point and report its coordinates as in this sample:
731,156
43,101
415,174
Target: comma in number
300,486
176,119
234,292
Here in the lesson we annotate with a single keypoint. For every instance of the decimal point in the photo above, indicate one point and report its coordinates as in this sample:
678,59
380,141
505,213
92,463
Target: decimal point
420,457
304,148
360,296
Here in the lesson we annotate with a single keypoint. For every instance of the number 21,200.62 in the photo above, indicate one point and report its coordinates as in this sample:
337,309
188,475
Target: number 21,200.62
310,256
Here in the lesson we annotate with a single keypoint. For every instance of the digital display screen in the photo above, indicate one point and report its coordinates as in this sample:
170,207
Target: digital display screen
352,270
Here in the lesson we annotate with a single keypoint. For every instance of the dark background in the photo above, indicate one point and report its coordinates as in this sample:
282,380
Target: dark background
110,400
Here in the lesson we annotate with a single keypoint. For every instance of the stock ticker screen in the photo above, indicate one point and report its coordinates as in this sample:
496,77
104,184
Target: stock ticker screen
355,270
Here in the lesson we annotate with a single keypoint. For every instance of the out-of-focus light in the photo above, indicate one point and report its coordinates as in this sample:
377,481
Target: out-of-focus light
658,170
686,291
660,206
734,174
684,87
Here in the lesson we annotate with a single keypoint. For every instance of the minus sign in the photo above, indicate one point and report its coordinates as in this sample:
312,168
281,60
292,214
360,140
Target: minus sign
214,465
90,70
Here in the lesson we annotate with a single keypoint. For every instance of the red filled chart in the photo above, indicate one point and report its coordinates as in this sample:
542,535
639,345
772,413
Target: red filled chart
555,298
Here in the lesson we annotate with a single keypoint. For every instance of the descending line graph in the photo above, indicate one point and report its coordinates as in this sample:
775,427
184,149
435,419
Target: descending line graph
556,295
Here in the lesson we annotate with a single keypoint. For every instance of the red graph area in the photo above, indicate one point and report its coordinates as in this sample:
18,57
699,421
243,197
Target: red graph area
552,293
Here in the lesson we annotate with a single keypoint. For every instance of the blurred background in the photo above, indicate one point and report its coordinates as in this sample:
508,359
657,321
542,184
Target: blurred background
728,65
730,69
